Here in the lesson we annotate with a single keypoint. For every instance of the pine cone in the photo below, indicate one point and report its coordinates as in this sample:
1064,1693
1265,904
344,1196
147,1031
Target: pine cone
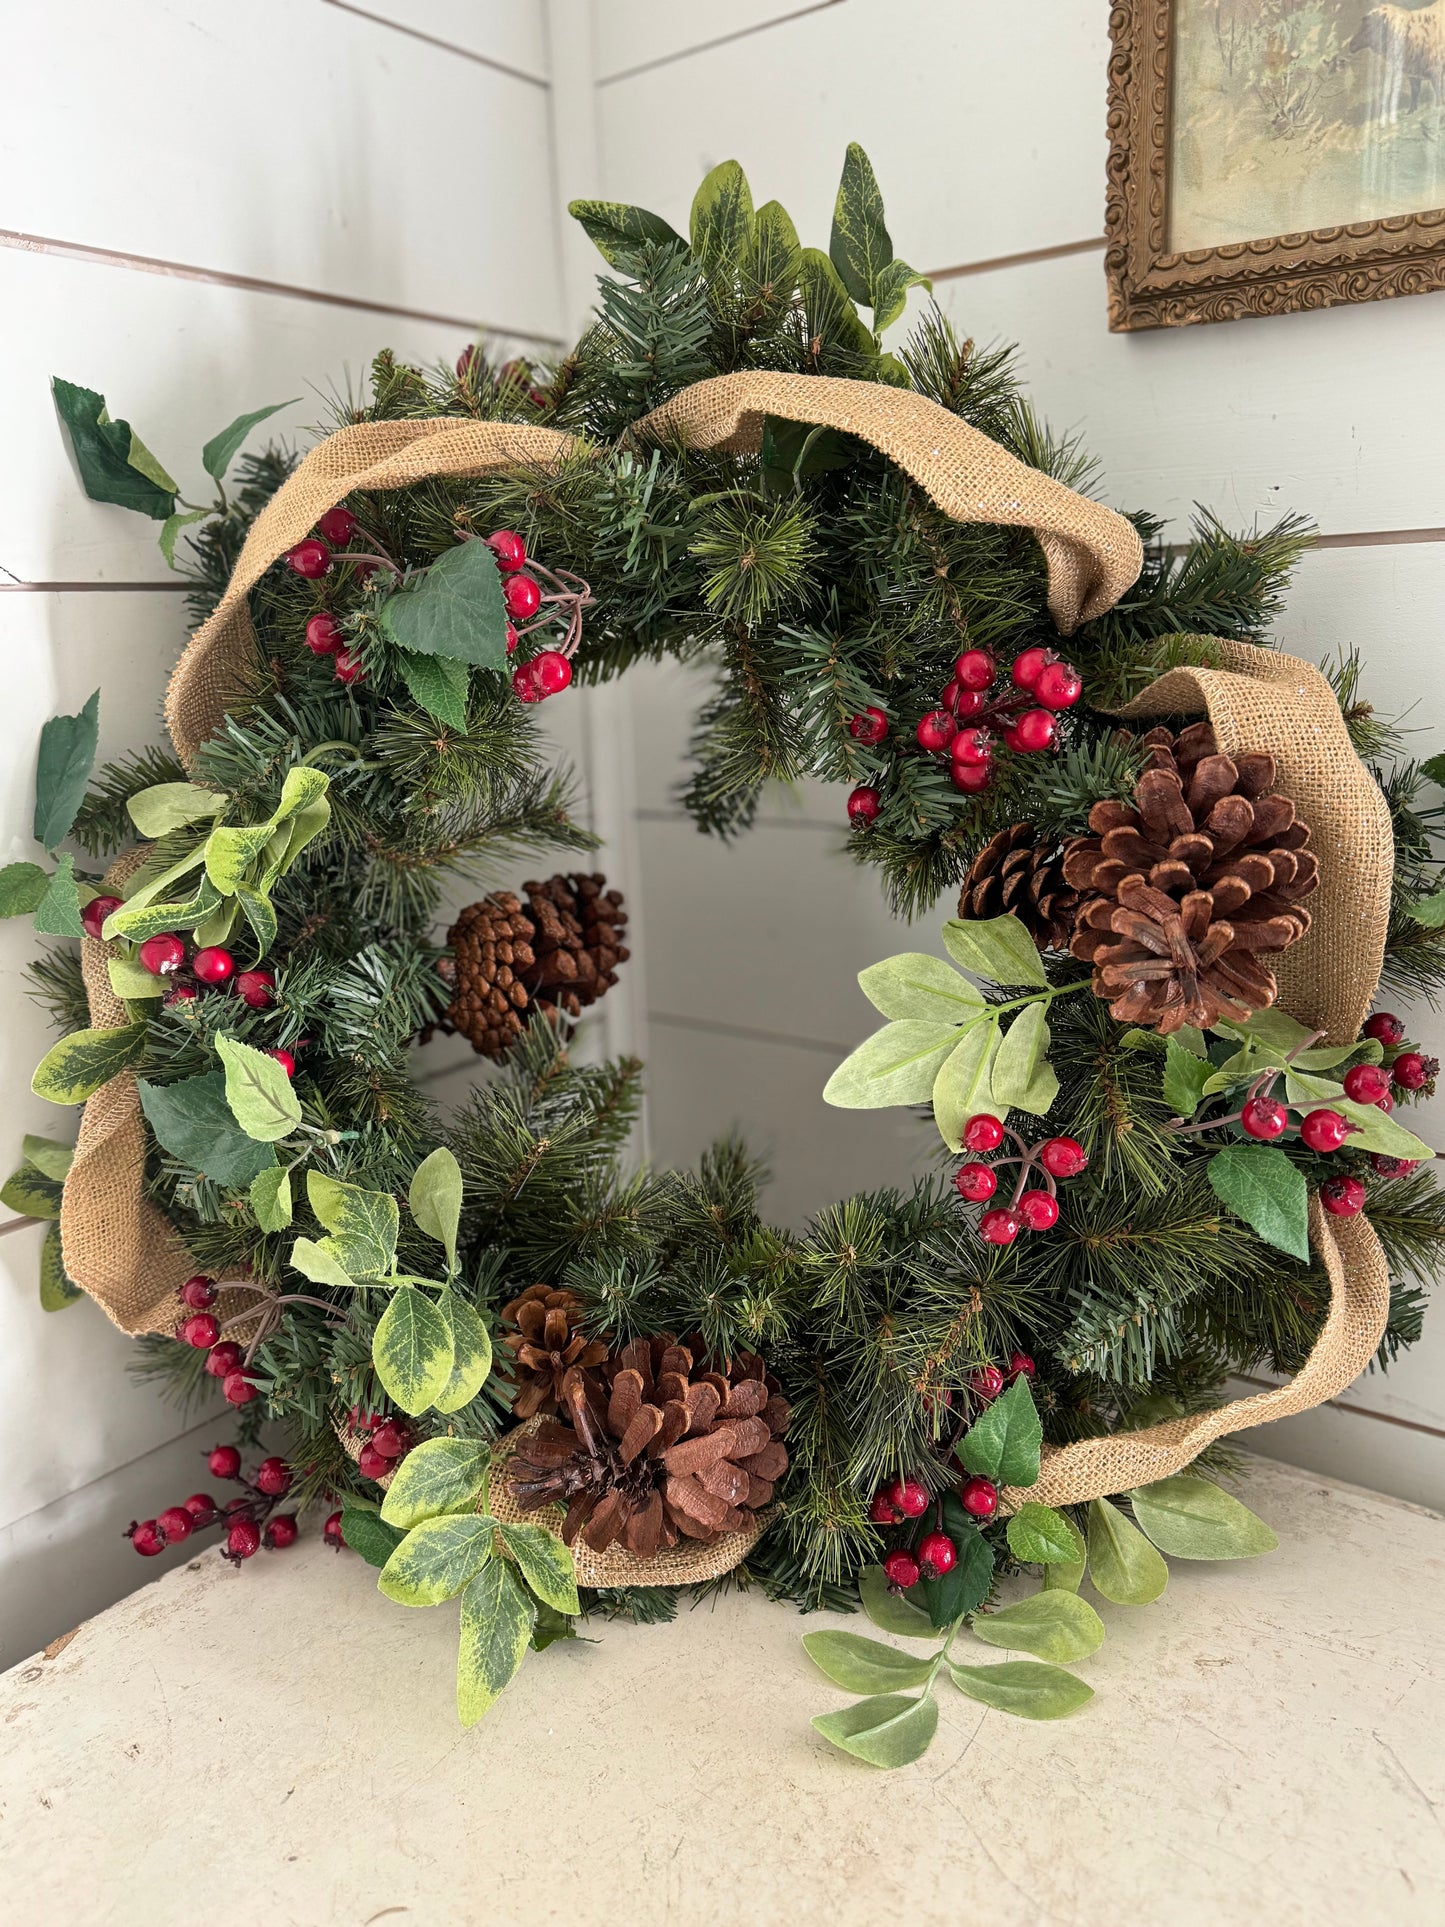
545,1345
1183,894
1011,875
558,952
658,1448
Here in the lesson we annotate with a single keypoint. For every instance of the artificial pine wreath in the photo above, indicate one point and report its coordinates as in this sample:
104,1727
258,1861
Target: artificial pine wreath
1168,1141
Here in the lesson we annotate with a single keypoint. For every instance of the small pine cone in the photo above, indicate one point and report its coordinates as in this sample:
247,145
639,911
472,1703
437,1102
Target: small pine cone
491,945
1184,894
1012,876
545,1344
577,945
558,952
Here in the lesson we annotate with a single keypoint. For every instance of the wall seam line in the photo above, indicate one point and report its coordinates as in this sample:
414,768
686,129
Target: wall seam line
1355,1411
446,46
715,1028
723,40
1061,251
201,1425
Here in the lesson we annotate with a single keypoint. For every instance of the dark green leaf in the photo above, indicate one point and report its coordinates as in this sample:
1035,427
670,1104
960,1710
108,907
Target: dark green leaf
193,1121
1260,1185
830,313
1190,1517
804,449
59,912
437,1476
546,1565
864,1665
722,219
889,1731
618,231
67,750
965,1587
31,1193
1434,768
890,1610
367,1533
1050,1625
455,609
1023,1687
496,1626
220,450
860,247
1003,1443
438,684
22,889
82,1062
115,465
1123,1565
57,1288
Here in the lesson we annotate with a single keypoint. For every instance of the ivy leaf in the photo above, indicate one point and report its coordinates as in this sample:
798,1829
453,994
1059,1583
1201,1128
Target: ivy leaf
320,1263
1185,1075
888,1731
963,1085
437,1558
258,1091
546,1565
998,948
82,1062
367,1533
59,912
1050,1625
497,1619
22,889
917,985
890,1610
437,1476
454,609
860,246
618,231
220,450
67,751
194,1122
1123,1565
115,465
1040,1536
864,1665
412,1350
896,1065
365,1223
1021,1074
31,1193
1260,1185
57,1288
171,806
721,221
1003,1443
171,530
48,1155
438,684
1023,1687
435,1199
271,1198
471,1357
1190,1517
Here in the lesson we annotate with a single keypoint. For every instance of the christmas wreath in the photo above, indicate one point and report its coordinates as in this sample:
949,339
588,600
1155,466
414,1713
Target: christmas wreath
526,1373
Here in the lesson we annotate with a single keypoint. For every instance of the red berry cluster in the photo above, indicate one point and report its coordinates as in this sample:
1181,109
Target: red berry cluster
385,1443
1032,1207
549,671
189,971
972,714
202,1329
318,556
1404,1069
250,1519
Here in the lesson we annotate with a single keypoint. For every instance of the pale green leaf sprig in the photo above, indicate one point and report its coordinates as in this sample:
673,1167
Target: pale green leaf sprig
439,1540
34,1189
945,1043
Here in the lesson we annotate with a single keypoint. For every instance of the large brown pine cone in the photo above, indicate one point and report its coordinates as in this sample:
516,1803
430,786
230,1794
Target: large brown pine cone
545,1344
1012,875
659,1447
1186,892
578,945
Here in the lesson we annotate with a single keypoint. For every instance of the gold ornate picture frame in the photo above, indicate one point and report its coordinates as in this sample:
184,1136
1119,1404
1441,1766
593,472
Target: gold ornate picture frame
1224,112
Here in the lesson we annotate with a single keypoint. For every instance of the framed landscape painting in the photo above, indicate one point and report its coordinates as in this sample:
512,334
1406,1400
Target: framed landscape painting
1269,155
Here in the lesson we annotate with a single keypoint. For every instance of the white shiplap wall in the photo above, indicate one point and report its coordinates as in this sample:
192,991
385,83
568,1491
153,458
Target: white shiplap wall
990,149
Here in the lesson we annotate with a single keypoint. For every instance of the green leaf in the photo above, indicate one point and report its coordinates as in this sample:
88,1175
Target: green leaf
546,1565
889,1731
864,1665
860,246
171,806
67,750
1434,768
260,914
59,911
366,1532
998,948
319,1263
232,854
365,1223
437,1476
437,1558
258,1091
1185,1075
82,1062
31,1193
890,293
1067,1575
1021,1075
890,1610
57,1288
412,1350
221,450
1050,1625
144,463
271,1198
965,1586
435,1199
896,1065
48,1155
1190,1517
801,449
171,529
830,314
721,222
1377,1132
471,1357
1429,911
618,231
1123,1565
303,787
194,1122
151,919
22,889
1040,1536
1023,1687
770,269
105,454
917,985
454,609
497,1621
1260,1185
438,684
131,981
963,1084
1003,1442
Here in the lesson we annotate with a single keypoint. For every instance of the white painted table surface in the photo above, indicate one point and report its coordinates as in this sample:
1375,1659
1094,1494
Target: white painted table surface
278,1745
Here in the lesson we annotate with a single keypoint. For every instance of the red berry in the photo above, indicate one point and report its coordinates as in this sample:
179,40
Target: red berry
1343,1197
390,1439
962,703
883,1512
310,558
1020,1365
243,1541
285,1060
1029,666
937,1555
224,1462
254,988
323,634
525,686
1000,1226
147,1538
213,965
973,748
202,1508
1039,1210
980,1497
338,525
551,671
975,1182
910,1498
1411,1071
1264,1117
1385,1103
864,803
1035,730
223,1359
373,1464
970,777
281,1532
238,1388
1390,1168
201,1329
1058,685
331,1531
901,1570
975,669
936,730
93,916
176,1523
1324,1130
348,667
162,956
522,597
869,726
465,361
1063,1157
272,1477
1367,1083
986,1382
982,1132
199,1292
180,994
510,550
1386,1028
